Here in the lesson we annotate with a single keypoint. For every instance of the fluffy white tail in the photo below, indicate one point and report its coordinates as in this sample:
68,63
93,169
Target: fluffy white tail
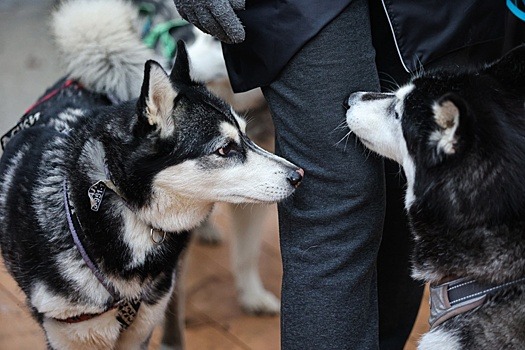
100,45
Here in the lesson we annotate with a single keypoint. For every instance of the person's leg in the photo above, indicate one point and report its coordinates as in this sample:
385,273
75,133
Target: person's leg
330,229
399,295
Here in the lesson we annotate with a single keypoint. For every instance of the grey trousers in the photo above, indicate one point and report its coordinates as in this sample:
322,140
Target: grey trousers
330,230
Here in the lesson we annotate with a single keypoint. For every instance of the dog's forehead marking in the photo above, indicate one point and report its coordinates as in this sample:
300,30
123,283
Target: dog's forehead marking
403,91
230,131
240,120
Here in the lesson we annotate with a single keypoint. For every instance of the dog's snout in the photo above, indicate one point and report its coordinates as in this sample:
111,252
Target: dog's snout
295,177
352,99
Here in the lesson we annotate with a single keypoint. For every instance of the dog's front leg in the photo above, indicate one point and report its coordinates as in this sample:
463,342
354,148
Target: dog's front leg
173,332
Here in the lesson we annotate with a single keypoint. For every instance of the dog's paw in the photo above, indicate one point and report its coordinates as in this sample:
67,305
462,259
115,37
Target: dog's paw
260,303
207,234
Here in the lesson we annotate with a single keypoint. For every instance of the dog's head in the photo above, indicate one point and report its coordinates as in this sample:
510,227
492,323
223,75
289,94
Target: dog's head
442,122
189,149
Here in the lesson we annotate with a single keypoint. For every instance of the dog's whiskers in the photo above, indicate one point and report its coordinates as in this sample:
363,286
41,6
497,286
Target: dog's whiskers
341,126
390,80
345,138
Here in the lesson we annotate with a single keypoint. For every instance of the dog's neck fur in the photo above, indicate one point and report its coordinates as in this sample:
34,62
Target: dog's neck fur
168,213
503,258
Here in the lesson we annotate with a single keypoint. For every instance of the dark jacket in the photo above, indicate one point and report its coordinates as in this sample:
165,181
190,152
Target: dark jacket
275,31
423,30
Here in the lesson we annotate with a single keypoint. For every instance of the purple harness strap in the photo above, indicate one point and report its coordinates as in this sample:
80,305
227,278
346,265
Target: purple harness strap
127,308
111,290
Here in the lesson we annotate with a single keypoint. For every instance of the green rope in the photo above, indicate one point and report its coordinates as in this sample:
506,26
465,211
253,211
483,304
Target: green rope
160,34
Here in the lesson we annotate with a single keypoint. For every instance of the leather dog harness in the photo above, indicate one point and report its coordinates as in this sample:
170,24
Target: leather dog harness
459,296
27,120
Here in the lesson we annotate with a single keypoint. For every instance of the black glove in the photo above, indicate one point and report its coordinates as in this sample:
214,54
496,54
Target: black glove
215,17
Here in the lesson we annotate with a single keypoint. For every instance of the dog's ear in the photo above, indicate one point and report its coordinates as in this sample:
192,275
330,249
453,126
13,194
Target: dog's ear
448,111
181,68
510,69
155,104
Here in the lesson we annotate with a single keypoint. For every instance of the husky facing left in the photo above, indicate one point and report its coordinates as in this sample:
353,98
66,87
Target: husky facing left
97,197
460,137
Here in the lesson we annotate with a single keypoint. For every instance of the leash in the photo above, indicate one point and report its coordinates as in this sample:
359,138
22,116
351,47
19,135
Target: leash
161,33
459,296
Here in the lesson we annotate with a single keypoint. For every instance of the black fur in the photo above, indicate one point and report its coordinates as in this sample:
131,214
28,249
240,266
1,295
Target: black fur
460,138
469,210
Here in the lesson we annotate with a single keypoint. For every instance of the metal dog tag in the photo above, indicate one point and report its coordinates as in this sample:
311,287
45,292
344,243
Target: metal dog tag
127,311
96,194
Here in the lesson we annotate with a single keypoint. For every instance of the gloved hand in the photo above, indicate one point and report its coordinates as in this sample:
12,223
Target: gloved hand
215,17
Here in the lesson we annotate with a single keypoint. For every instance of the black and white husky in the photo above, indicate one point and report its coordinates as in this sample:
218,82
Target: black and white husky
97,195
461,141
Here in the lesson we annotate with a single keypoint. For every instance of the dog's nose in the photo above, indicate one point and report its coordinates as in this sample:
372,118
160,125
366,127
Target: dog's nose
295,177
345,103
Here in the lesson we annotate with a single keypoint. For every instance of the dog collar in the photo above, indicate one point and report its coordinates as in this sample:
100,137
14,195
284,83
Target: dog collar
459,296
98,189
96,195
127,308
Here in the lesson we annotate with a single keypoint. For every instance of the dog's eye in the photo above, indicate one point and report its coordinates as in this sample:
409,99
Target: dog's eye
225,151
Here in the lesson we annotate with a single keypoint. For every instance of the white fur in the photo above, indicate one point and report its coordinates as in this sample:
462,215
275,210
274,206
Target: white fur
206,59
103,332
73,268
247,222
439,340
230,131
261,179
137,237
403,91
107,58
380,130
410,172
183,194
241,121
54,306
97,333
160,100
7,179
48,201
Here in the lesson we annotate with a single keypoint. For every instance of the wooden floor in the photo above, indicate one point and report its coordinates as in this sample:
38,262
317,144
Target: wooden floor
213,317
